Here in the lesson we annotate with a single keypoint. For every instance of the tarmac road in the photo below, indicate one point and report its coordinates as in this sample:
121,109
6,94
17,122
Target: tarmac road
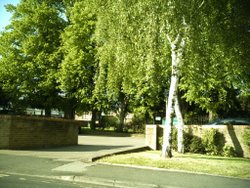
17,181
71,167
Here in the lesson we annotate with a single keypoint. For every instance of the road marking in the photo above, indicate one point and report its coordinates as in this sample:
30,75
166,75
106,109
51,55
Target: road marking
3,175
23,179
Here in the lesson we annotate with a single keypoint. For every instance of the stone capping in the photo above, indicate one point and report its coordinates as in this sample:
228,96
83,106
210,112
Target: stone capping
21,117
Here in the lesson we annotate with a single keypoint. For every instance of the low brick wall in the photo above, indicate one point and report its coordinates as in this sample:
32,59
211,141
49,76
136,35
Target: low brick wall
19,132
233,135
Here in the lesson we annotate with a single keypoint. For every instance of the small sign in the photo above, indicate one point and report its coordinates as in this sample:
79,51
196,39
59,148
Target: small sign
158,118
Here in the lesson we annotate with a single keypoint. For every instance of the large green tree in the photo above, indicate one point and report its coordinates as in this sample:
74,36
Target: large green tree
29,53
131,51
78,67
204,57
218,56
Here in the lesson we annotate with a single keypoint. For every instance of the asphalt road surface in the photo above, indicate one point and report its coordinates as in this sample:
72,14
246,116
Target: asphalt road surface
70,167
22,181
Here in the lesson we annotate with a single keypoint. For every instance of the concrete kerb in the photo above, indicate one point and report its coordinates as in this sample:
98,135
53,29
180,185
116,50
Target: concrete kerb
106,182
132,150
88,180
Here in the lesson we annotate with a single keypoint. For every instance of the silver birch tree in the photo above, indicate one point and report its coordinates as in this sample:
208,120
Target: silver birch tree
177,47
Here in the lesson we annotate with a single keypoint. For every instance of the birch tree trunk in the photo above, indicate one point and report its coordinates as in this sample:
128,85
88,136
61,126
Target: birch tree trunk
167,131
180,145
176,54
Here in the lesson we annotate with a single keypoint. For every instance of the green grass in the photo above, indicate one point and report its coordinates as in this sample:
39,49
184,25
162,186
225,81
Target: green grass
226,166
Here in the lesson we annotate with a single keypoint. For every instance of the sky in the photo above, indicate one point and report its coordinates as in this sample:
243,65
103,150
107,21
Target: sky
5,16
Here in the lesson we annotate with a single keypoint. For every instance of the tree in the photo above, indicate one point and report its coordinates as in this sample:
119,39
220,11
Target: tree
29,51
201,44
131,64
78,68
216,57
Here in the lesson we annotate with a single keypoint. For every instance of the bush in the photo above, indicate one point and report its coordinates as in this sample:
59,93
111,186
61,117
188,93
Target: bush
137,124
229,151
213,142
196,145
191,143
109,121
187,140
174,139
246,137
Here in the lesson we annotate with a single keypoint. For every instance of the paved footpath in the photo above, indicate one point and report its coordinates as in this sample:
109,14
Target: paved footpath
88,147
73,164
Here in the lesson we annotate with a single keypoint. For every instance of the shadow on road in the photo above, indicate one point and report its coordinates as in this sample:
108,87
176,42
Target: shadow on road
82,148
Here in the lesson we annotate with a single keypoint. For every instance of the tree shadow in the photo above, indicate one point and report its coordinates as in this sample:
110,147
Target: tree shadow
238,149
79,148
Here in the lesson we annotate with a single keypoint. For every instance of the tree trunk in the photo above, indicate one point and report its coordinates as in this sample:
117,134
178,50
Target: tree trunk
48,112
69,111
69,107
176,54
93,119
122,115
166,147
122,112
179,126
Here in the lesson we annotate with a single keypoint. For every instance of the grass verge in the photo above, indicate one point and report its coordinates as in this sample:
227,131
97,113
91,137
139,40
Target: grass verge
226,166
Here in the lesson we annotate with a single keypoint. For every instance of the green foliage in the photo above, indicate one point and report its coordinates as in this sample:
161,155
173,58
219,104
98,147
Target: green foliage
137,123
187,137
115,55
29,51
109,121
132,55
213,141
77,71
174,139
229,151
212,54
196,145
191,143
246,137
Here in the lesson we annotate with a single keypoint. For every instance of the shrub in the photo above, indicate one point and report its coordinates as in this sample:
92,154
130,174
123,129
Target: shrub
213,142
174,139
229,151
174,142
109,121
191,143
187,140
160,142
196,145
137,124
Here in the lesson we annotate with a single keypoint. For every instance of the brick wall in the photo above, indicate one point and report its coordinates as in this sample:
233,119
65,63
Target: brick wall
17,132
233,135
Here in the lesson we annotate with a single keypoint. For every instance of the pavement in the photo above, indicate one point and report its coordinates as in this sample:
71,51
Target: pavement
88,149
75,164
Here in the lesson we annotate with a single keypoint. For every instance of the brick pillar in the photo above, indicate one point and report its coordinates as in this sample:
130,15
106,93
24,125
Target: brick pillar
151,136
